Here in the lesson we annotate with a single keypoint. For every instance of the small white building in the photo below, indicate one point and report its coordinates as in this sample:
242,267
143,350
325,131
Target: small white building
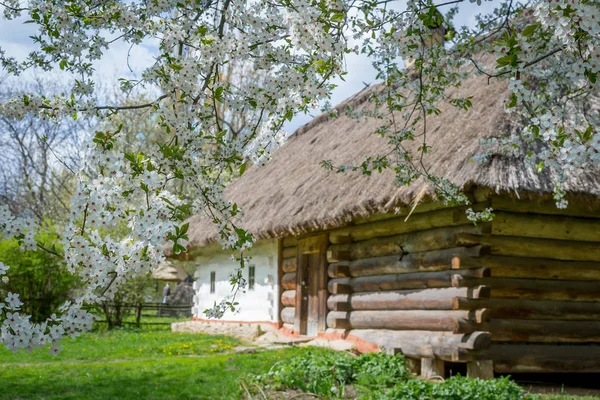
212,274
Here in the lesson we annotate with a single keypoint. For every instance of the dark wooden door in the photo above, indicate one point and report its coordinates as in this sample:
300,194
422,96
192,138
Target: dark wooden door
312,326
302,289
311,286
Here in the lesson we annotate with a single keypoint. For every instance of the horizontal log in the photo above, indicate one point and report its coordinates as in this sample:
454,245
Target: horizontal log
426,299
467,326
470,280
480,316
288,315
288,298
532,294
437,260
533,247
338,323
289,264
587,209
339,288
289,252
338,270
528,330
403,211
396,226
539,268
288,281
542,289
544,358
342,239
531,309
416,280
400,320
426,344
414,242
338,304
337,255
546,226
290,241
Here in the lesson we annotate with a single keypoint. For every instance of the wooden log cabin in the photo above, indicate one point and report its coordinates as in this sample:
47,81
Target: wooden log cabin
343,255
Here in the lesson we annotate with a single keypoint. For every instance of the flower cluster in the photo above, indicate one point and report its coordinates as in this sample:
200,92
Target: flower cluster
21,228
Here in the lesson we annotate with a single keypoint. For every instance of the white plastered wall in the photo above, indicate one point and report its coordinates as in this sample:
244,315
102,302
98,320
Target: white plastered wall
258,304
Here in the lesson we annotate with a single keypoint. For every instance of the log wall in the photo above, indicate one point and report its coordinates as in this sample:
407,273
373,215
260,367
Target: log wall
545,286
435,286
287,281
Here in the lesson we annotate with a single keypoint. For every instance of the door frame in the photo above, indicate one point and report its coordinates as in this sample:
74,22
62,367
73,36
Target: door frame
306,246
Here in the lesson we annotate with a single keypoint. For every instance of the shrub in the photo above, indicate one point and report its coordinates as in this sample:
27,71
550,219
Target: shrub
41,278
379,370
327,373
457,388
316,371
377,376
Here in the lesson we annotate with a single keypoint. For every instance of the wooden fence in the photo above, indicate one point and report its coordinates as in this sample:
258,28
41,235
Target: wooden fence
115,313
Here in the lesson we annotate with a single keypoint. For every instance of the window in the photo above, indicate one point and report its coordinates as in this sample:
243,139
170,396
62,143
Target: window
212,281
251,277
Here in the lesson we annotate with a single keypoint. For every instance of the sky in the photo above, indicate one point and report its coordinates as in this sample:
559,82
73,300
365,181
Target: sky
361,72
121,61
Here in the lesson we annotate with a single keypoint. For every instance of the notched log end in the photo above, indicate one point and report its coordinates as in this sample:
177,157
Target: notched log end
338,255
476,341
341,288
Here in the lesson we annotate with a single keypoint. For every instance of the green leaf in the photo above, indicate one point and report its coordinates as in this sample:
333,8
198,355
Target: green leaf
184,228
504,61
513,101
219,94
338,17
592,76
530,30
243,168
289,115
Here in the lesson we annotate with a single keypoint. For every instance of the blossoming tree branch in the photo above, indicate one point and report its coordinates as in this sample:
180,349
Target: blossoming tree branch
549,50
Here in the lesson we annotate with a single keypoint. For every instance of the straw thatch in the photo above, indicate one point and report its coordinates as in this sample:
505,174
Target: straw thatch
293,194
168,272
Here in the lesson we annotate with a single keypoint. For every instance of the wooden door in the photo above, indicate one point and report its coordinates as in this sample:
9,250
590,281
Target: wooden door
312,325
311,286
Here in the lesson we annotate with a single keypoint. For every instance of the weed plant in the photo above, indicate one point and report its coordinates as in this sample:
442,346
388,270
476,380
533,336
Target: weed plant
378,376
455,388
327,373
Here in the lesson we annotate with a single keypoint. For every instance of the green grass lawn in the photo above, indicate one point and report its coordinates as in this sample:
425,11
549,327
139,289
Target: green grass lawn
133,364
147,363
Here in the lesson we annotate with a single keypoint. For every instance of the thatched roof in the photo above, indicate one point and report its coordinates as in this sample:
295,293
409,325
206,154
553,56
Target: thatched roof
293,194
168,272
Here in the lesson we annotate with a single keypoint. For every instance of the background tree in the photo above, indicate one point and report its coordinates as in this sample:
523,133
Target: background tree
38,156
